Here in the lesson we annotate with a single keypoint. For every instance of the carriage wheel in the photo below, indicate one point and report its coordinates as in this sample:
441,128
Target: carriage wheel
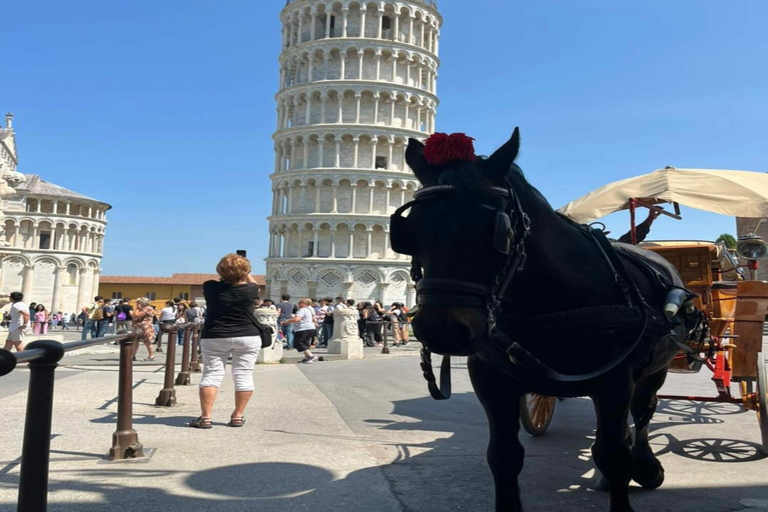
762,397
536,412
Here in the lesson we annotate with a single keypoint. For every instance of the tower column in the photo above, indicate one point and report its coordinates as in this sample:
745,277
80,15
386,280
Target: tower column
355,151
312,28
351,243
315,242
333,243
345,15
354,197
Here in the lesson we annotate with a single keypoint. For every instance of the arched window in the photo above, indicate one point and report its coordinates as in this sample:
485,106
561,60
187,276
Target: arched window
72,274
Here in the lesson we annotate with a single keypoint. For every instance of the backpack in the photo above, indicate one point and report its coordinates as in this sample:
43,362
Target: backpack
97,313
121,316
401,317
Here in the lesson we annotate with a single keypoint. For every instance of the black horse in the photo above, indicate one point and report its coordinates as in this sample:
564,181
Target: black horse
539,304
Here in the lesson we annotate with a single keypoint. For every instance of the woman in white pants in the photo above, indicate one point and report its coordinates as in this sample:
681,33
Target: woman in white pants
229,331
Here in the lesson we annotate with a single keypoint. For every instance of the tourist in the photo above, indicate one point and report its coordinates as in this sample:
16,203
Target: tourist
399,321
326,332
107,319
92,315
195,313
64,322
305,328
370,325
230,330
55,318
286,310
181,321
19,322
41,320
142,325
124,315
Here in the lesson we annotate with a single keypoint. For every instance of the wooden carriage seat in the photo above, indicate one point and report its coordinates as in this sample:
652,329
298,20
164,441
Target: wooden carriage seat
700,265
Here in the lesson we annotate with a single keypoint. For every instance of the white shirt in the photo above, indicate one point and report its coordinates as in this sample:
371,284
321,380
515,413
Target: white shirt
306,323
16,317
167,314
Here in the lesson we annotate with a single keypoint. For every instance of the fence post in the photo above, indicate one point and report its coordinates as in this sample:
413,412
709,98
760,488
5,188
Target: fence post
125,440
385,338
195,363
35,453
167,396
183,378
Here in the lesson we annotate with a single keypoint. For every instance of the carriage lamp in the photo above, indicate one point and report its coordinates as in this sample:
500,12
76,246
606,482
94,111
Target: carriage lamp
752,248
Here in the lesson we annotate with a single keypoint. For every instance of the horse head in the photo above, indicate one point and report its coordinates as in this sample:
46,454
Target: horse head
465,233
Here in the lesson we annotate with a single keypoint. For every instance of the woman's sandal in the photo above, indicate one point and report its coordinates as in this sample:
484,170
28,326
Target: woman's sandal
201,423
148,359
236,422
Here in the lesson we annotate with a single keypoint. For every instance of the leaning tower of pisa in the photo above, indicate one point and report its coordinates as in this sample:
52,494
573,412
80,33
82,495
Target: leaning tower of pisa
357,79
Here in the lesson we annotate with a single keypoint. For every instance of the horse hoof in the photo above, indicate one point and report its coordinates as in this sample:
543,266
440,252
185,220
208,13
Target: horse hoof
651,480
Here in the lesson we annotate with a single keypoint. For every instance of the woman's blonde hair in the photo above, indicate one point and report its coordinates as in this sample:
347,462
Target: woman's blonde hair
142,301
233,268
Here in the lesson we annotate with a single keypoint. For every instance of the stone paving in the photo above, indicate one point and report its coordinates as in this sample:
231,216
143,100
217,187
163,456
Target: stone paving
360,435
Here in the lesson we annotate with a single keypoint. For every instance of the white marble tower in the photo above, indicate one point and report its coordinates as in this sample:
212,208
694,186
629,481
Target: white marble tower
357,79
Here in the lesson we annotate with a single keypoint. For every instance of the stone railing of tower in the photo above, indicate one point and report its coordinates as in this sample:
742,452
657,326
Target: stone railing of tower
431,3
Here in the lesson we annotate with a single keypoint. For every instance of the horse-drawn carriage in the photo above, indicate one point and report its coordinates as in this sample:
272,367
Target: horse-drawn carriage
728,339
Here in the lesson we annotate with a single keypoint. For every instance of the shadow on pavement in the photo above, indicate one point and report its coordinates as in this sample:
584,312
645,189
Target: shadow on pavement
448,474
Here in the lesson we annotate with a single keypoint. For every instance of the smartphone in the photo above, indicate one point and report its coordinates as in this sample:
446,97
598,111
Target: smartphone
241,252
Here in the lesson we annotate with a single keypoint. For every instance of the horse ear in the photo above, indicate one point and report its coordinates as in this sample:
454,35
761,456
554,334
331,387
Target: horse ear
498,163
414,156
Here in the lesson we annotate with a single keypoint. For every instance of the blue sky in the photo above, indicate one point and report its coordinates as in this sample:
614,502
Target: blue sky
165,109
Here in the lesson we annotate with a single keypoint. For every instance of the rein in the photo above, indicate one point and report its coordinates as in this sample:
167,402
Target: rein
509,239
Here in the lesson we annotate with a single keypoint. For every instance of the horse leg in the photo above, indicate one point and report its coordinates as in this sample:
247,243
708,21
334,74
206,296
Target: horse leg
611,450
501,401
646,468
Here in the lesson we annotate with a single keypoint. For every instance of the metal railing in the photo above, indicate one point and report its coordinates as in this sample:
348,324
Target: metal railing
43,357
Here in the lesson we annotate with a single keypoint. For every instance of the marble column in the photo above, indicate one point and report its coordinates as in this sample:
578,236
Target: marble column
351,242
95,282
26,285
363,13
316,241
58,282
368,236
313,27
333,242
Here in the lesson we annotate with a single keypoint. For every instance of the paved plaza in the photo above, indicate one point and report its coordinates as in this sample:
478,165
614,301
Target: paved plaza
357,435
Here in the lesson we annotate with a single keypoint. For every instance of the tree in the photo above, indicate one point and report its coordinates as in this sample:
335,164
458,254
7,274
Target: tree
728,239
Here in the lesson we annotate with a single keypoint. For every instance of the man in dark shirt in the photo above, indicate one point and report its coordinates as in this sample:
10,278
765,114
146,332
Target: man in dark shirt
124,315
286,310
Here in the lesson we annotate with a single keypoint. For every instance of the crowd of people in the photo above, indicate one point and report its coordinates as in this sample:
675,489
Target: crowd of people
373,319
230,329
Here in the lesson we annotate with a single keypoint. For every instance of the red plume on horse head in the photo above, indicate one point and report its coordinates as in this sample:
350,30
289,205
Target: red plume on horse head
441,148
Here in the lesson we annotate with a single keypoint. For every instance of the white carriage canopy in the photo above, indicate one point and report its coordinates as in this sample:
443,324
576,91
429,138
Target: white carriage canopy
735,193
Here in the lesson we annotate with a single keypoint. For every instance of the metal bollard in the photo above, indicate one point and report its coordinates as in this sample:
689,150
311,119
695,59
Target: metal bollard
36,450
385,348
183,378
167,396
194,364
125,440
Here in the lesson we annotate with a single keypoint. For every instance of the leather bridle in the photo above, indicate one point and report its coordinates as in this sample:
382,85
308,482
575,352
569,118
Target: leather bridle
510,232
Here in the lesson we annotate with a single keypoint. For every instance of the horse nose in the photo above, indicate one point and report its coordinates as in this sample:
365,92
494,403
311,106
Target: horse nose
442,333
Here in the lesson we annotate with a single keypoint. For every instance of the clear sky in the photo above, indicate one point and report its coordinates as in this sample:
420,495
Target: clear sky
165,109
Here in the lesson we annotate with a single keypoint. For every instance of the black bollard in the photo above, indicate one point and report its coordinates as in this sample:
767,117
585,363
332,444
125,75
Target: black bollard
36,450
195,362
167,396
125,440
385,348
183,378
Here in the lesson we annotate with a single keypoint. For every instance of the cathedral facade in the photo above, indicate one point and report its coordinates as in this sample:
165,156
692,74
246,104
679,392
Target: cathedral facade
53,238
357,80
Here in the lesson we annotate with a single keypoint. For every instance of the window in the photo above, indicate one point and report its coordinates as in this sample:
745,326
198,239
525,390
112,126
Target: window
386,22
310,249
45,240
151,295
333,26
381,162
72,274
117,295
184,296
